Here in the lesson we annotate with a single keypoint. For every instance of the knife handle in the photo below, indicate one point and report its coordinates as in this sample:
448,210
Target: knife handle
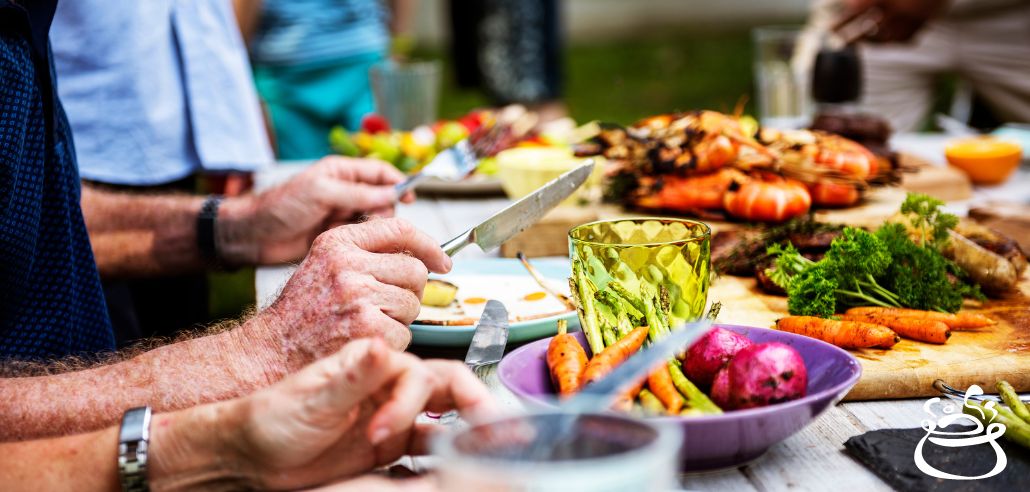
454,245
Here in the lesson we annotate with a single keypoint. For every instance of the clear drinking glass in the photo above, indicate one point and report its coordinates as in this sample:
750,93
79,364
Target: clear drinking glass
672,253
550,452
406,94
781,81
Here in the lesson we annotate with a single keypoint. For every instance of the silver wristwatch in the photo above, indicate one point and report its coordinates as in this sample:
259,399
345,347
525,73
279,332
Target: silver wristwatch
132,449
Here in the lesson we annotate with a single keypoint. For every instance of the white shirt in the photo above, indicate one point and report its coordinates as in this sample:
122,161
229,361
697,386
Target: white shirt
157,90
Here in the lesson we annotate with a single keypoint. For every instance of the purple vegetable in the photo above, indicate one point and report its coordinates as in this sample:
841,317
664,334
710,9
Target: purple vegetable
721,388
711,353
763,374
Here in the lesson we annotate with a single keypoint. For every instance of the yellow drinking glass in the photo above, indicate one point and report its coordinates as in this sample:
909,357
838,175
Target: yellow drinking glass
672,255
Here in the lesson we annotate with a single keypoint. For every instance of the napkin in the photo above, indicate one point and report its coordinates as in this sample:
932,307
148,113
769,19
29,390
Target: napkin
890,454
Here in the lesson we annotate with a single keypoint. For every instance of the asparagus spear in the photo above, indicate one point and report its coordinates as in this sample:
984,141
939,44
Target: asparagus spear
695,397
625,325
652,405
582,288
1009,396
1016,429
608,335
633,299
618,303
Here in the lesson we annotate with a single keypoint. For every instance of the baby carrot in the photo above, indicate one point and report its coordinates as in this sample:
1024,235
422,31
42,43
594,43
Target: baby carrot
660,383
844,334
610,358
924,330
957,321
625,402
567,360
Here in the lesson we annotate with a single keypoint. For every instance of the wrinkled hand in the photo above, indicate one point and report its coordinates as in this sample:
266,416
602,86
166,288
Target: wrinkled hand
896,20
278,225
359,280
346,414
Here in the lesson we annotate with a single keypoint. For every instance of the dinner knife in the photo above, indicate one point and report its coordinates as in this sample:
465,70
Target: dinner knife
521,214
490,337
487,347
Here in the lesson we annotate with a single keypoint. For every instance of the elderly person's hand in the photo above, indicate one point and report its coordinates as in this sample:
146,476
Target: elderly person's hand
278,225
337,418
360,280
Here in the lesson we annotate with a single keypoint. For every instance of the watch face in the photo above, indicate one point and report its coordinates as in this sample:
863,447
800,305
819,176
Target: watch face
135,425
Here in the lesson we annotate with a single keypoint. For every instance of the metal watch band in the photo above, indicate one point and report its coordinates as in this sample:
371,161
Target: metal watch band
206,228
132,449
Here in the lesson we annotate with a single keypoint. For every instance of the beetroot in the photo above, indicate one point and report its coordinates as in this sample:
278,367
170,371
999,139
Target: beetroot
711,353
764,374
721,388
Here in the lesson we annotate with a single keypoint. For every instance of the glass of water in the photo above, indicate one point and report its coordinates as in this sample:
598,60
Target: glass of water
406,93
781,79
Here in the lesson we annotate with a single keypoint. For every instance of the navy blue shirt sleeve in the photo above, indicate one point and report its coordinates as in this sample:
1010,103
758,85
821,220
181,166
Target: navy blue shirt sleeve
51,303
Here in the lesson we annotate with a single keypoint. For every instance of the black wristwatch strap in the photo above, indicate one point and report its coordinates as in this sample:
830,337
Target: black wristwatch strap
206,228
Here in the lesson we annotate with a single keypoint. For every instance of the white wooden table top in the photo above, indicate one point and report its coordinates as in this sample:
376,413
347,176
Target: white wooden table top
812,459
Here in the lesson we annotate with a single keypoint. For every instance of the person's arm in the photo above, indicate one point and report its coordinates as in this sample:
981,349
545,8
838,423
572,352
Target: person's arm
342,416
362,280
402,15
248,14
171,377
136,234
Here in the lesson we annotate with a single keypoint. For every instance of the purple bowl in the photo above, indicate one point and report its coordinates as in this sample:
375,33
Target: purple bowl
716,441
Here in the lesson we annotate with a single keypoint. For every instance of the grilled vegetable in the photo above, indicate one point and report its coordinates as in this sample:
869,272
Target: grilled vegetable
764,374
660,383
844,334
607,360
566,360
439,293
924,330
711,353
955,321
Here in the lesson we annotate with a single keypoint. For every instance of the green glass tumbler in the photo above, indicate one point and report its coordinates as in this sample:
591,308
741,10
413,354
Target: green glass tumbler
674,254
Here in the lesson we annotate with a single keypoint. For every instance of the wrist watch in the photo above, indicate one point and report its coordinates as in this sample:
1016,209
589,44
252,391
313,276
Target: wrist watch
132,449
206,219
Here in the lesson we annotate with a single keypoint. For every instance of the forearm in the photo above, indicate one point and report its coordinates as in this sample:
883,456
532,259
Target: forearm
187,451
402,14
171,377
80,462
151,234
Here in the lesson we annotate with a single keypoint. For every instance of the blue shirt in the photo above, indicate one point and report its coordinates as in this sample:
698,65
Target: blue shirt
303,32
51,304
157,90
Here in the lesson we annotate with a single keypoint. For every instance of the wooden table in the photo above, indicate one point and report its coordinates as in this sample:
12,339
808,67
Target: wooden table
812,459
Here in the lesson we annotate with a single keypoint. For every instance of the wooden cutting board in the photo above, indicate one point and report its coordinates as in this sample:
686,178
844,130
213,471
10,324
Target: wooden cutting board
909,368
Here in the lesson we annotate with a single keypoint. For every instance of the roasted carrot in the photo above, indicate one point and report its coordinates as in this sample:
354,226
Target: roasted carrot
957,321
660,383
567,360
625,402
610,358
924,330
844,334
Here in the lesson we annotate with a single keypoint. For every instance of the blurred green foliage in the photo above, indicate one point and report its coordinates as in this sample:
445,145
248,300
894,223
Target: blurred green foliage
624,80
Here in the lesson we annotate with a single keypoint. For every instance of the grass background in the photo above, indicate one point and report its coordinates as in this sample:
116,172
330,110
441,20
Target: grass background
624,80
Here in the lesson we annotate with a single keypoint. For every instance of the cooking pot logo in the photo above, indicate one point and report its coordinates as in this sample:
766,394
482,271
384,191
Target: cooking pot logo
978,435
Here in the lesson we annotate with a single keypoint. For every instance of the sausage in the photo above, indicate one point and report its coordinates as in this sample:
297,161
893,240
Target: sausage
994,273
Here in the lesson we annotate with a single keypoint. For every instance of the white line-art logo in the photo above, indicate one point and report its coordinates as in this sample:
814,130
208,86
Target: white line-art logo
978,435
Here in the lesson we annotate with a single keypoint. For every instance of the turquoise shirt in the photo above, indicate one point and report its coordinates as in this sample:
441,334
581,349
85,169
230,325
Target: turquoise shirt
302,32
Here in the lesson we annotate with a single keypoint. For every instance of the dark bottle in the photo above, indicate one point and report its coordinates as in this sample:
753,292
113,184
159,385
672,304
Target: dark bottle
837,76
